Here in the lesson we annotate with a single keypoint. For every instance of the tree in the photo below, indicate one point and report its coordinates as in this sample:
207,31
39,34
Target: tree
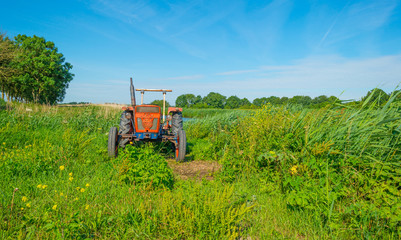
186,100
181,101
259,101
7,55
233,102
273,100
198,99
215,100
333,99
303,100
160,103
284,100
320,99
376,95
43,73
245,102
396,93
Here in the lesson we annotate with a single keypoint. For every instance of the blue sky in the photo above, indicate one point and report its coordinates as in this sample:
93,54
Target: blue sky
246,48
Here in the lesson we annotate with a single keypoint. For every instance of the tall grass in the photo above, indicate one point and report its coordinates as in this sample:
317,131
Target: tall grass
340,164
287,173
210,112
56,181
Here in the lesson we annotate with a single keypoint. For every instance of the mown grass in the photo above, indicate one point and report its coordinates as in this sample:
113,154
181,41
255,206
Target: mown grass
287,173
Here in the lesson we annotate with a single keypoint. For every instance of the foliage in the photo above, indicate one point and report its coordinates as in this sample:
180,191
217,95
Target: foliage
208,112
144,167
160,103
233,102
69,188
215,100
338,163
2,104
377,96
7,56
310,173
36,71
218,101
187,100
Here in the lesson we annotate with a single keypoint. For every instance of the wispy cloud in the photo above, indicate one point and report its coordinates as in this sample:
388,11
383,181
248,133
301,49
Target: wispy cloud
191,77
237,72
357,18
173,24
332,25
267,25
313,76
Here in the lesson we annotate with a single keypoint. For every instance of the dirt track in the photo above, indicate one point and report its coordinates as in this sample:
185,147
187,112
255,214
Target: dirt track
194,169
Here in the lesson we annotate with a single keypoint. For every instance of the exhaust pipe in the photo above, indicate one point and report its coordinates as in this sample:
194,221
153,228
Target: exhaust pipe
133,101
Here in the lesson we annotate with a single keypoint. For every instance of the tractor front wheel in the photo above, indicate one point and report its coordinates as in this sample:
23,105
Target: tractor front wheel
181,146
125,127
112,144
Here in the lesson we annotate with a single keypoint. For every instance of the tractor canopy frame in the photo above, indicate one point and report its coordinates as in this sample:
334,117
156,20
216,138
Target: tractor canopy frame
144,122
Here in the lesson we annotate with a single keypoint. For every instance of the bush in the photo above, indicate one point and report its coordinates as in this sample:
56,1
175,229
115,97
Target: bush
142,166
2,104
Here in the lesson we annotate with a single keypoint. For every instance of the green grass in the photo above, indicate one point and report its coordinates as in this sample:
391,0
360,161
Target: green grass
210,112
287,174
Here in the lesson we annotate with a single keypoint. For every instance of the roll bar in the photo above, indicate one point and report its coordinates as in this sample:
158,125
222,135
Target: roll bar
155,90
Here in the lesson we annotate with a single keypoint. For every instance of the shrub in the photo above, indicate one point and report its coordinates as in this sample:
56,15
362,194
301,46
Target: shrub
142,166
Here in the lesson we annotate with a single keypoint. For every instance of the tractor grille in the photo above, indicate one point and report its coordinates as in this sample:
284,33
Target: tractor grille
147,109
141,127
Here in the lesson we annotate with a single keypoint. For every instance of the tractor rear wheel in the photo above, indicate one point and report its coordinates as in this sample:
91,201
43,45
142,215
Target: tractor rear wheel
112,144
176,122
125,127
181,146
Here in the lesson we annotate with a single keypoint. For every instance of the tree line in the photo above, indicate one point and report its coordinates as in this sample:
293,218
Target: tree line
217,100
32,70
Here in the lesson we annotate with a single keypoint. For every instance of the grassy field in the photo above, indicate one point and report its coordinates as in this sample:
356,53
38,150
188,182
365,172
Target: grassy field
287,173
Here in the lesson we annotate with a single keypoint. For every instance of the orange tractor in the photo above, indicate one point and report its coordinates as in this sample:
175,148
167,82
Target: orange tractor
147,123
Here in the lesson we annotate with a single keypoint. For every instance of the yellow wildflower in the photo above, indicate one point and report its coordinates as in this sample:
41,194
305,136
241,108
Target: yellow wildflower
61,194
24,199
71,178
44,186
54,207
294,170
87,185
86,207
26,146
28,205
272,153
61,167
22,208
76,199
78,188
39,186
4,143
82,190
70,174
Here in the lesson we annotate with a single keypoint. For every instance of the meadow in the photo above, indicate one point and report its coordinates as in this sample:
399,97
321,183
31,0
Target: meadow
287,173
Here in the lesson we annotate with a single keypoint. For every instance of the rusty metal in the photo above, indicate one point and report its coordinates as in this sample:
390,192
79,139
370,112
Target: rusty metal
127,108
132,89
153,90
147,122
